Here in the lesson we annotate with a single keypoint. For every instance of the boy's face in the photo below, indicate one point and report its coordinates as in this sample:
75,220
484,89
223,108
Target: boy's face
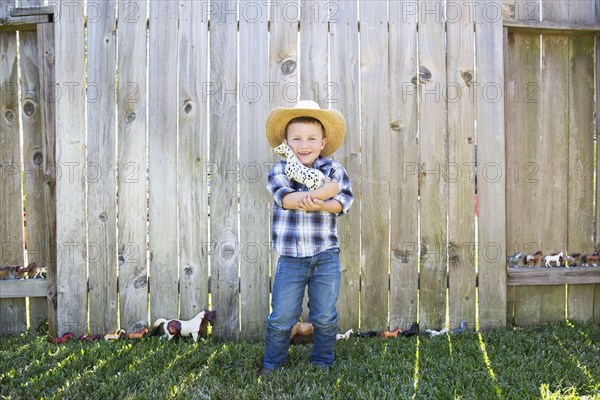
307,141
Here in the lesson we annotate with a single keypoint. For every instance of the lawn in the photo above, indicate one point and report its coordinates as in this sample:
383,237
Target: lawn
560,360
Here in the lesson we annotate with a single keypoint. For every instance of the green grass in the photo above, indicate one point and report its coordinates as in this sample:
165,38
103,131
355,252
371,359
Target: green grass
551,362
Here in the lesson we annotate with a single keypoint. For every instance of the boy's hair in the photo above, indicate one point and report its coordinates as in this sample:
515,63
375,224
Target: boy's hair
304,120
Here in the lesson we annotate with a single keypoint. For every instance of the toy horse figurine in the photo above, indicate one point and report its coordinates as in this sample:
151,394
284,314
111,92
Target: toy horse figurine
295,170
193,327
556,258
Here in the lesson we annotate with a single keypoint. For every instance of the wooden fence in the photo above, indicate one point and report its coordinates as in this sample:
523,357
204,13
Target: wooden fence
144,159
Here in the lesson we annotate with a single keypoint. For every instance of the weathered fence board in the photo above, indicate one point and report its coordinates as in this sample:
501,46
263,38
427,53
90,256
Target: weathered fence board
131,184
375,173
314,57
100,172
13,317
433,151
71,136
33,157
283,54
522,138
283,72
404,197
162,164
458,171
579,276
580,299
254,248
597,120
46,63
553,164
192,160
491,190
344,96
224,181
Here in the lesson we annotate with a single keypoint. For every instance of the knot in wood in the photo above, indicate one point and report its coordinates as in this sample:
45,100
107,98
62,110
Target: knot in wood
29,108
9,115
103,217
38,158
227,252
140,282
402,255
288,67
131,116
424,75
395,125
467,77
453,256
188,107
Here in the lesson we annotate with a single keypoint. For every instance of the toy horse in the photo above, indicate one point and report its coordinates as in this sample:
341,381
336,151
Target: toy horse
346,335
533,258
118,334
138,335
193,327
390,334
295,170
556,258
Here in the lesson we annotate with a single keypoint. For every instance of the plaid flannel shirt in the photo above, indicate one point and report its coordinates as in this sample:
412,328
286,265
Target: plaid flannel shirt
303,234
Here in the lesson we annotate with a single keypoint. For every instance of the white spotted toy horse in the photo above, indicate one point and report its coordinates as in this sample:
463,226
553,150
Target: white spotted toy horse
295,170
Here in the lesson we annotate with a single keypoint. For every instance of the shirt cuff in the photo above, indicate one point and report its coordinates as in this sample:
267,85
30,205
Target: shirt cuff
345,201
280,194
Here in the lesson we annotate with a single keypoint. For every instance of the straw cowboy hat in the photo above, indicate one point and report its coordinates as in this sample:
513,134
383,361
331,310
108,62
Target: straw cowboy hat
333,122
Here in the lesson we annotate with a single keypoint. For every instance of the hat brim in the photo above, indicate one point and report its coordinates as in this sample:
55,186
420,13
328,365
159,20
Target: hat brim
333,121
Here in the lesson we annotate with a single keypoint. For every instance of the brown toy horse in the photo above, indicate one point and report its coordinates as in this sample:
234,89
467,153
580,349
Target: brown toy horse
193,327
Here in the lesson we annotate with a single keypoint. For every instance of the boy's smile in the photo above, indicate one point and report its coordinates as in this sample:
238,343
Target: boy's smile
307,141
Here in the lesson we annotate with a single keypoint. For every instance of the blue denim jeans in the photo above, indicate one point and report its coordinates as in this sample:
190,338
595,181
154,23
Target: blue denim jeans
321,273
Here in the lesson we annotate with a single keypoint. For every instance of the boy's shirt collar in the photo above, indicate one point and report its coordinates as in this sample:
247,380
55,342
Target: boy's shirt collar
319,162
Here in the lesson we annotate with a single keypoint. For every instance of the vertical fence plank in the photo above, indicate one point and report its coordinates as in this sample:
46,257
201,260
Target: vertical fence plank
70,162
492,187
522,180
283,72
162,163
522,140
433,150
131,113
33,157
314,52
375,171
553,163
511,193
404,198
46,63
13,318
193,159
101,167
254,247
580,298
597,121
344,97
459,172
283,53
224,180
522,174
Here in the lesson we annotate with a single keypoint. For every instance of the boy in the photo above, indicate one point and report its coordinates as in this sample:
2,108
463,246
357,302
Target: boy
304,231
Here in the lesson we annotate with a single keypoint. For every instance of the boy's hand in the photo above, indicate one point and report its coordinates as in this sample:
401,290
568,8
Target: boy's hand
307,203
